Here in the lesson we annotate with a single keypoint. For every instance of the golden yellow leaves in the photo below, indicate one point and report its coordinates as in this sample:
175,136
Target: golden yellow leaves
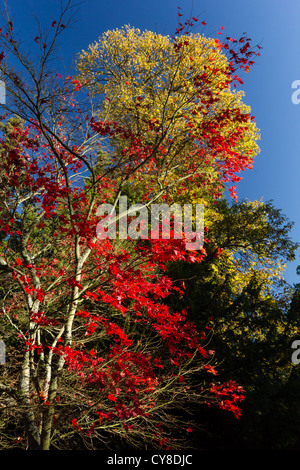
180,84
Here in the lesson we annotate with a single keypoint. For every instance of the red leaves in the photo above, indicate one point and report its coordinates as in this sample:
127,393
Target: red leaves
210,369
112,397
232,191
106,416
218,253
39,295
76,425
77,84
73,283
41,319
91,295
107,128
229,396
112,329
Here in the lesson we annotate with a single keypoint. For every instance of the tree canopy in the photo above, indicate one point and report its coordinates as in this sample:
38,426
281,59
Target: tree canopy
115,341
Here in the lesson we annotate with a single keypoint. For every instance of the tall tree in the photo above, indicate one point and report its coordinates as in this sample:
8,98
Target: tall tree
100,354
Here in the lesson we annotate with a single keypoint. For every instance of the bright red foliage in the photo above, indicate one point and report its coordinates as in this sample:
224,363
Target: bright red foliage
94,307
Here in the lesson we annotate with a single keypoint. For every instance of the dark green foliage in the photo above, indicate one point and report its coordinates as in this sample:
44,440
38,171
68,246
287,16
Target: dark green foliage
255,318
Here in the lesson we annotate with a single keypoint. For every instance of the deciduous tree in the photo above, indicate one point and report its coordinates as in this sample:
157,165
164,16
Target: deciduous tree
93,349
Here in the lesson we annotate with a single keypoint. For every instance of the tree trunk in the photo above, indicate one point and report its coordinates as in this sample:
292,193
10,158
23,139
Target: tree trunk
31,428
49,410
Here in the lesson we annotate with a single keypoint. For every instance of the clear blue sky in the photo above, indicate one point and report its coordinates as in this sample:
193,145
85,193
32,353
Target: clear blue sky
274,24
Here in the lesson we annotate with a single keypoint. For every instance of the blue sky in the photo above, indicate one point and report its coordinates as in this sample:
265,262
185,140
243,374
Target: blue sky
274,24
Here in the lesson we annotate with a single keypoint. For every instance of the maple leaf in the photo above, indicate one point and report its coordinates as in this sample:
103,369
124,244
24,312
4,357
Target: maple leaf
112,397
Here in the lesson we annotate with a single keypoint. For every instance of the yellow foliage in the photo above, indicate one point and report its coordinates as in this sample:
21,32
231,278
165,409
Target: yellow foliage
166,91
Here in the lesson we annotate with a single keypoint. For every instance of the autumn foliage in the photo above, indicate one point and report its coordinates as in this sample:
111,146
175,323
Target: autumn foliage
95,354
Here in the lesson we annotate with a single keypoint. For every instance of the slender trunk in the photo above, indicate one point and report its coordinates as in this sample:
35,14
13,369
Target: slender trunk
50,408
31,428
48,417
54,371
